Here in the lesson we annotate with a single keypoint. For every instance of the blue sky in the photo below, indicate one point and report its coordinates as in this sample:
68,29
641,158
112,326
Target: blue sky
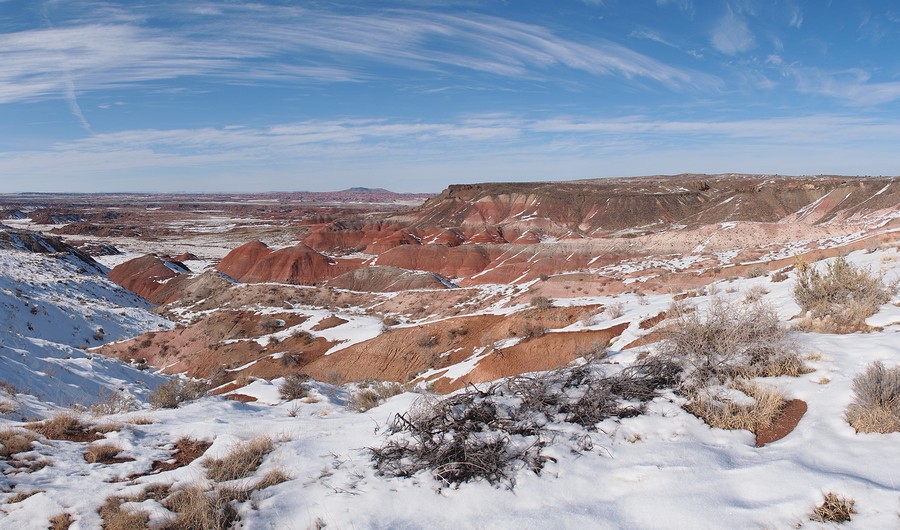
414,95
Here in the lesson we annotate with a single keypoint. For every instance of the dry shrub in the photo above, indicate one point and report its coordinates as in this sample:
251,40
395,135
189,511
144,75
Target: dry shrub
8,387
730,340
115,517
876,400
8,406
427,341
758,411
294,386
755,293
835,509
541,303
114,403
15,441
531,330
454,333
61,521
756,271
373,394
174,392
839,299
615,310
491,434
241,461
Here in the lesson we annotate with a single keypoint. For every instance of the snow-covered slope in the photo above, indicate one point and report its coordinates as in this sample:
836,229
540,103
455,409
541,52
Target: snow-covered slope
53,304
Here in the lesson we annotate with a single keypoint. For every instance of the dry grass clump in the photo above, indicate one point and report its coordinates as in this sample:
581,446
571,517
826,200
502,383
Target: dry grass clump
373,394
195,507
61,522
241,462
272,478
101,453
115,517
730,340
14,441
8,387
491,434
65,425
839,299
173,393
294,386
835,509
876,400
719,410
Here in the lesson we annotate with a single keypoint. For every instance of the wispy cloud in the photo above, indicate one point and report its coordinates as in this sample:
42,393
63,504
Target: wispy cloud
731,34
684,5
241,43
796,17
313,150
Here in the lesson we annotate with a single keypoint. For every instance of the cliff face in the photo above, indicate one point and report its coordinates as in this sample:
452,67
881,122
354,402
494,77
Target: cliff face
604,206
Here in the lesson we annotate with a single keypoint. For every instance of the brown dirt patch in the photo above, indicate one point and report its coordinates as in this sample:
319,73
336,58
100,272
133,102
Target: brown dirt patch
186,451
784,424
331,321
243,398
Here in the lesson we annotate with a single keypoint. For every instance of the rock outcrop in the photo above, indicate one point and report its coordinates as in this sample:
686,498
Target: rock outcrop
255,262
383,279
146,275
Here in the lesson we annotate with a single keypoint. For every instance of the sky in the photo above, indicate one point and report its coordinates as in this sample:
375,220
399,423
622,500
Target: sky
413,95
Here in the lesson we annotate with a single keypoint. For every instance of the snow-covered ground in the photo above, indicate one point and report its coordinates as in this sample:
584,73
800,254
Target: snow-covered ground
662,469
52,307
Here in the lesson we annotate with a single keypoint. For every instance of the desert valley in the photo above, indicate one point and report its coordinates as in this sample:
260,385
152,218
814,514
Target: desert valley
684,351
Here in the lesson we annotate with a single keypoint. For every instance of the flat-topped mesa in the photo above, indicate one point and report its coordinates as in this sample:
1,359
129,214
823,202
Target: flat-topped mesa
599,207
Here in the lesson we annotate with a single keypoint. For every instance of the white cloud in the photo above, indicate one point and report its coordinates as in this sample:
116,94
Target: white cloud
237,43
309,154
731,34
796,17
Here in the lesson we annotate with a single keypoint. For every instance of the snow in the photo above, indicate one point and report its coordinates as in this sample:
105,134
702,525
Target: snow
662,469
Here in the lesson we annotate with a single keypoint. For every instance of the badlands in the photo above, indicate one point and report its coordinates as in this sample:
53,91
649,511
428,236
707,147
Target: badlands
498,355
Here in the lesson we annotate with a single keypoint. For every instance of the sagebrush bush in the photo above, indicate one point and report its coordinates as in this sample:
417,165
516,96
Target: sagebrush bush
840,298
876,400
730,340
241,461
294,386
175,392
